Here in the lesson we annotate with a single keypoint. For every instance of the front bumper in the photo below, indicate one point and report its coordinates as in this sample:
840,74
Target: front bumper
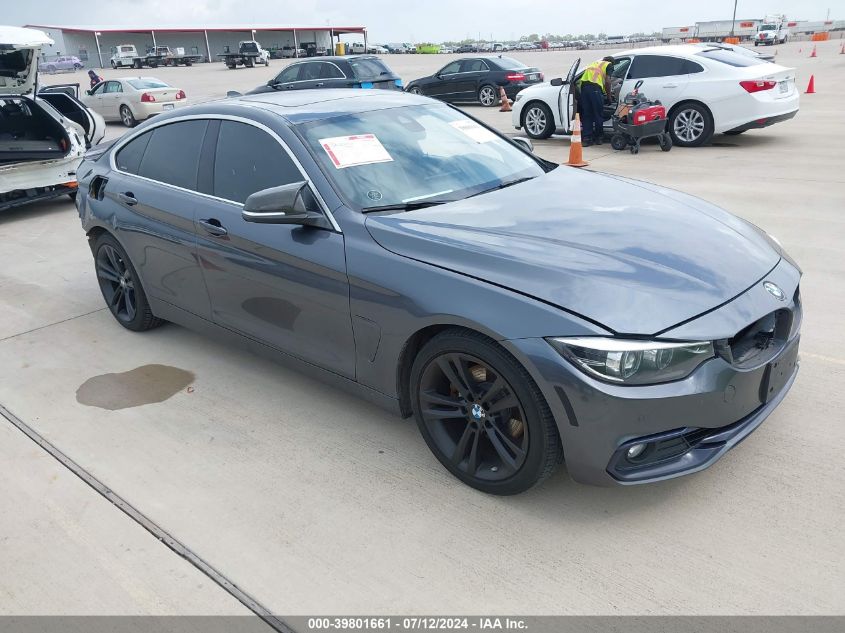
691,423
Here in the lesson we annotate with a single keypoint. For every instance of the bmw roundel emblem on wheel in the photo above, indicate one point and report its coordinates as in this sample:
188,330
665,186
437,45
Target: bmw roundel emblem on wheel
523,314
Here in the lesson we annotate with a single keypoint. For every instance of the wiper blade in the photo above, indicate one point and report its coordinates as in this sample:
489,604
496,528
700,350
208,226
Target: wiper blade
509,183
406,206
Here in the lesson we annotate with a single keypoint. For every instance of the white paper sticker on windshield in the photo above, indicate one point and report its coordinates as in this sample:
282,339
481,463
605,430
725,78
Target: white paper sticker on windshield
473,130
359,149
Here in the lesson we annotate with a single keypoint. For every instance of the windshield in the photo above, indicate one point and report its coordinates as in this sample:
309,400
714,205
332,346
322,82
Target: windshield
413,154
731,58
768,27
366,68
143,83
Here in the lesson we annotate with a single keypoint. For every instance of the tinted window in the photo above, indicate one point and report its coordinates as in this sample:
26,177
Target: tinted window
330,71
173,154
691,67
369,68
451,69
249,160
620,67
508,63
645,66
310,71
128,158
114,86
731,58
291,73
473,66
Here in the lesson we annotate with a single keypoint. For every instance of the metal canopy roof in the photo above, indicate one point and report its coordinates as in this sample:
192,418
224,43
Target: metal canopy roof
197,29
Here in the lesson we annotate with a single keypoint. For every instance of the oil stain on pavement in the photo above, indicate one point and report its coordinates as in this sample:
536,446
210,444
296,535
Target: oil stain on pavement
143,385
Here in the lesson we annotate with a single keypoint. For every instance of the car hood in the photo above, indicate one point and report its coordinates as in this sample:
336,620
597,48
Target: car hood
19,49
634,257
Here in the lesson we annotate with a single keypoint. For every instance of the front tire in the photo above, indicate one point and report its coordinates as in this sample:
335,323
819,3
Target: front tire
487,96
127,117
121,286
537,121
415,91
690,125
482,415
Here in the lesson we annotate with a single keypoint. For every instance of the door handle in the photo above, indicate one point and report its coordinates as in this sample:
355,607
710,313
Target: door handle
670,85
319,85
213,227
128,197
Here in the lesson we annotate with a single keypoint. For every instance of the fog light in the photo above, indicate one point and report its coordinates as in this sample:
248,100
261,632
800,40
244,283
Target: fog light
636,450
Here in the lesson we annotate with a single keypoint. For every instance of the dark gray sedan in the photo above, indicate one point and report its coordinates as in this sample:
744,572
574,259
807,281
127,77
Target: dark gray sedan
522,312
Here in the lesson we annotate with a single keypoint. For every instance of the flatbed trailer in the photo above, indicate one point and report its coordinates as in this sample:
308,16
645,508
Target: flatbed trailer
249,54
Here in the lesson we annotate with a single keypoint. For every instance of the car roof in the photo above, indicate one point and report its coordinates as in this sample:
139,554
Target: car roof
677,50
334,58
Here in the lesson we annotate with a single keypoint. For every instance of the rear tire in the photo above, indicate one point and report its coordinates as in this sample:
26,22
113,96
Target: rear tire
690,125
121,286
51,68
127,117
482,415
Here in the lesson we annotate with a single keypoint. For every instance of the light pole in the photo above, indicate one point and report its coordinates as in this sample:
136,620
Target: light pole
733,22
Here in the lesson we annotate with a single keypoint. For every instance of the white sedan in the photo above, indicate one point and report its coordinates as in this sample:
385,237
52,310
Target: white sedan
133,99
706,91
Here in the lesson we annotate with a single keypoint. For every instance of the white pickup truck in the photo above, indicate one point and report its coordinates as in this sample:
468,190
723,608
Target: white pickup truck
773,30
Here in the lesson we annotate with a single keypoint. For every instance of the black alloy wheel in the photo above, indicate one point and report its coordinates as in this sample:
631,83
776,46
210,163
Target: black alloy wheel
482,415
121,289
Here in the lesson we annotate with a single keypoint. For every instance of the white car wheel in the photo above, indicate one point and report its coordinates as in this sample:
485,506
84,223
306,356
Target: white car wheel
690,125
127,117
537,121
487,96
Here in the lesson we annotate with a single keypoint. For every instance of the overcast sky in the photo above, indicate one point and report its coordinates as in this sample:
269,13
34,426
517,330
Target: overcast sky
409,21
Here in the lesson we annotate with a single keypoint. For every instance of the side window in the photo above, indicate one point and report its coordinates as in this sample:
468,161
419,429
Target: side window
645,66
310,71
620,67
451,69
98,89
114,86
249,160
691,67
291,73
330,71
473,66
173,154
128,158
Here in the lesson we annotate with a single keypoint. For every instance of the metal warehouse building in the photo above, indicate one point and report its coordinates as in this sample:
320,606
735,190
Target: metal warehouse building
94,44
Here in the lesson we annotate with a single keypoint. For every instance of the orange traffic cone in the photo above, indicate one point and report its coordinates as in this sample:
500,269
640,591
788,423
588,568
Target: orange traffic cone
506,104
813,54
811,87
575,157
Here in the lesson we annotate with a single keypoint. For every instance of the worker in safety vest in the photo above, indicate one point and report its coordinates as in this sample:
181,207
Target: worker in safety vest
594,85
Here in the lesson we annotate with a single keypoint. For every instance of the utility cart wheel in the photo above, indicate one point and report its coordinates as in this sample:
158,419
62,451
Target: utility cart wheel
665,142
618,142
635,148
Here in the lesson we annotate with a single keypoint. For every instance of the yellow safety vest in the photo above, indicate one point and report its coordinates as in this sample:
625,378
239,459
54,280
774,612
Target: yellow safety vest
595,73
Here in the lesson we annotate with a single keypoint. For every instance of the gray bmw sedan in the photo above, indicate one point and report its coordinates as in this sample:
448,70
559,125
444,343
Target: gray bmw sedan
523,313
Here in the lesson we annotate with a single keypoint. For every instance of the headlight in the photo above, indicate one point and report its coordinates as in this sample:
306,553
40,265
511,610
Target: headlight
633,362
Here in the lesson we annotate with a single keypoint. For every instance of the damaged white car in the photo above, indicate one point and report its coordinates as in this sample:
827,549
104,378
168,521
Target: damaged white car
43,135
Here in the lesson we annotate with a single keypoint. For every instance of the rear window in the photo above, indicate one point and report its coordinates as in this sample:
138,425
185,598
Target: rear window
249,47
13,62
127,49
369,68
508,63
143,84
731,58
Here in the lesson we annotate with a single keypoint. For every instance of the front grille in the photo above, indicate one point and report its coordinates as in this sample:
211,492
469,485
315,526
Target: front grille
759,342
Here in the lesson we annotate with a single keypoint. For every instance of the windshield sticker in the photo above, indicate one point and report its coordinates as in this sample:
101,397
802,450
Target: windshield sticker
351,151
476,132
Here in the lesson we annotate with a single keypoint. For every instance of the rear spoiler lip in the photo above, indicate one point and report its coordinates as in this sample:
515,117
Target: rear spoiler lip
96,152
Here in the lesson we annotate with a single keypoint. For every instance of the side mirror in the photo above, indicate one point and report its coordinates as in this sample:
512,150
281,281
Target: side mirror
287,204
557,81
88,92
524,142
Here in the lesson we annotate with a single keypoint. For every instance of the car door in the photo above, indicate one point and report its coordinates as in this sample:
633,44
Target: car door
112,95
284,285
445,84
664,77
153,189
287,79
93,98
474,73
309,76
567,97
331,76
